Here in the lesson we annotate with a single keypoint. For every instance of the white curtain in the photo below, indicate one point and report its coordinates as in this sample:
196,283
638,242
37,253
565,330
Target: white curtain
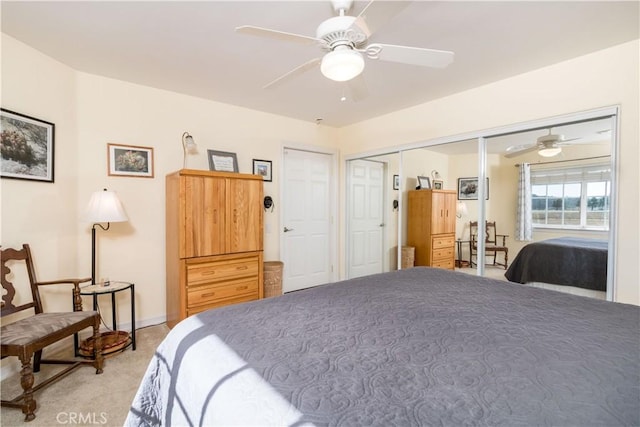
524,220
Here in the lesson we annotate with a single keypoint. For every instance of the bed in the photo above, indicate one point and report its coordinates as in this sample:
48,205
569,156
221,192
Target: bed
419,346
568,261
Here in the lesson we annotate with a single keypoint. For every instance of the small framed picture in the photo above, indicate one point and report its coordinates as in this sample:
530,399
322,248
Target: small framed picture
468,188
424,182
438,184
222,161
396,182
26,147
129,160
262,168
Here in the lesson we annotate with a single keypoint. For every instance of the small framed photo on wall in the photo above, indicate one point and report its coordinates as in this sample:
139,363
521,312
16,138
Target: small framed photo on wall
424,182
129,160
468,188
222,161
262,168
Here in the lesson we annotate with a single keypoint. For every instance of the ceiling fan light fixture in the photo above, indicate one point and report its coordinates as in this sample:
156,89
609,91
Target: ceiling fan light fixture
342,64
550,151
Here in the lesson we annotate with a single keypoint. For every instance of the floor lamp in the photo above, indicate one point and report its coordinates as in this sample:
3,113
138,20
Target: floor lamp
104,206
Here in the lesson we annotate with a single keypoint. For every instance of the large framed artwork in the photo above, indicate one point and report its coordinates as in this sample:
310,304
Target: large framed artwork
468,188
26,147
130,160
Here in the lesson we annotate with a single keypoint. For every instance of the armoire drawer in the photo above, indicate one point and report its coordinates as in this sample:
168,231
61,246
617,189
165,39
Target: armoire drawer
206,294
215,271
443,253
195,309
443,263
442,241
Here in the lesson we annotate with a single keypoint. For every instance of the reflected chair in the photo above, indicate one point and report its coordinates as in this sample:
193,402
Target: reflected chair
494,243
26,329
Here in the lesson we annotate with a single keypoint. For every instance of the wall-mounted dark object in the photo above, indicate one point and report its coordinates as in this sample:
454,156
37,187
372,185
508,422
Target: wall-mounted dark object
268,203
395,205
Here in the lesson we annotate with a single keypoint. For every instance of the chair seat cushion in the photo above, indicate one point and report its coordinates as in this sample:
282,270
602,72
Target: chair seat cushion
34,328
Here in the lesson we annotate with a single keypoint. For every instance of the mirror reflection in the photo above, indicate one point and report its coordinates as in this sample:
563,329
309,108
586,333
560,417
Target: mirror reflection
372,215
568,192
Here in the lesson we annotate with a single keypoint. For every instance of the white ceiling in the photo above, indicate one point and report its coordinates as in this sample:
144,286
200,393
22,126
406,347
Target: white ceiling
192,48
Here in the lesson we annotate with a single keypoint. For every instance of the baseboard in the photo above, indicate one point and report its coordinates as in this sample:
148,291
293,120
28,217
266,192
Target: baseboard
11,365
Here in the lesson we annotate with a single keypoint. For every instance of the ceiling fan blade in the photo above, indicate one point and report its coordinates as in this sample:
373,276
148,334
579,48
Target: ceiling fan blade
275,34
377,13
569,140
358,88
410,55
518,150
295,72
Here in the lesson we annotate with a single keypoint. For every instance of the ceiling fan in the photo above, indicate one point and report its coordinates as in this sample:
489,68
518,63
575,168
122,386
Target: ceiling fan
547,146
345,40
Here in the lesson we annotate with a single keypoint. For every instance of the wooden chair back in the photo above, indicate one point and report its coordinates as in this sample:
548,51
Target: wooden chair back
490,235
13,258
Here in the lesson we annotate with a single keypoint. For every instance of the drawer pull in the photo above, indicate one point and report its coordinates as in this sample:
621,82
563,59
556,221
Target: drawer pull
242,288
241,267
210,294
208,273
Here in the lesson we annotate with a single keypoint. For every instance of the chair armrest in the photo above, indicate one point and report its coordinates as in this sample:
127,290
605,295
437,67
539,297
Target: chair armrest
57,282
77,300
504,238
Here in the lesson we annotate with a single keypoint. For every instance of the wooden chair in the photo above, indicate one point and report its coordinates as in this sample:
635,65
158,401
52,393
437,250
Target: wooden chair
27,336
494,243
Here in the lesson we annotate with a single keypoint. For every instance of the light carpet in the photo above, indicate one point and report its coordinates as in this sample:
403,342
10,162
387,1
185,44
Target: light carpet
83,398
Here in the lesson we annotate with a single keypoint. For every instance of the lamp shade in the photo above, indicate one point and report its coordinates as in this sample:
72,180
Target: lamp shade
104,206
461,209
342,64
189,145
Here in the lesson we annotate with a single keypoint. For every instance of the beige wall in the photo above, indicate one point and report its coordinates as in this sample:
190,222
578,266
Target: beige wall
605,78
90,111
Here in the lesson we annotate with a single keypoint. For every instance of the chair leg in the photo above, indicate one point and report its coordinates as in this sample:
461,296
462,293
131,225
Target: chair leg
26,381
506,259
97,347
36,361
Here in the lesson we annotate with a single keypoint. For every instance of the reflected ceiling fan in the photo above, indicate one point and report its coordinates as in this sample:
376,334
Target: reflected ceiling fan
547,146
345,40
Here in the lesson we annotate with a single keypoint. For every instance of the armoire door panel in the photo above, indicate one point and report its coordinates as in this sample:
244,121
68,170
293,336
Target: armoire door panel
204,216
245,216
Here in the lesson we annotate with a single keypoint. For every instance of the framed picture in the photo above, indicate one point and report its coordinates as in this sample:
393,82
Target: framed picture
396,182
26,147
424,182
438,184
130,160
222,161
262,168
468,188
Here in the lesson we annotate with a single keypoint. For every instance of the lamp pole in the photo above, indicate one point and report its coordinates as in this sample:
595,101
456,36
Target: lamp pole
93,250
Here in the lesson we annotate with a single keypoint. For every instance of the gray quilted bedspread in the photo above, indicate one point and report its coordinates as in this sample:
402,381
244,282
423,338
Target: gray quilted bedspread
410,348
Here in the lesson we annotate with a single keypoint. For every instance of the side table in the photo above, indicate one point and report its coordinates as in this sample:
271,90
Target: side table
123,339
459,262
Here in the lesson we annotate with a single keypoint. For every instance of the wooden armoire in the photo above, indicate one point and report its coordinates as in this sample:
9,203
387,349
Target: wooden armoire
431,227
214,241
